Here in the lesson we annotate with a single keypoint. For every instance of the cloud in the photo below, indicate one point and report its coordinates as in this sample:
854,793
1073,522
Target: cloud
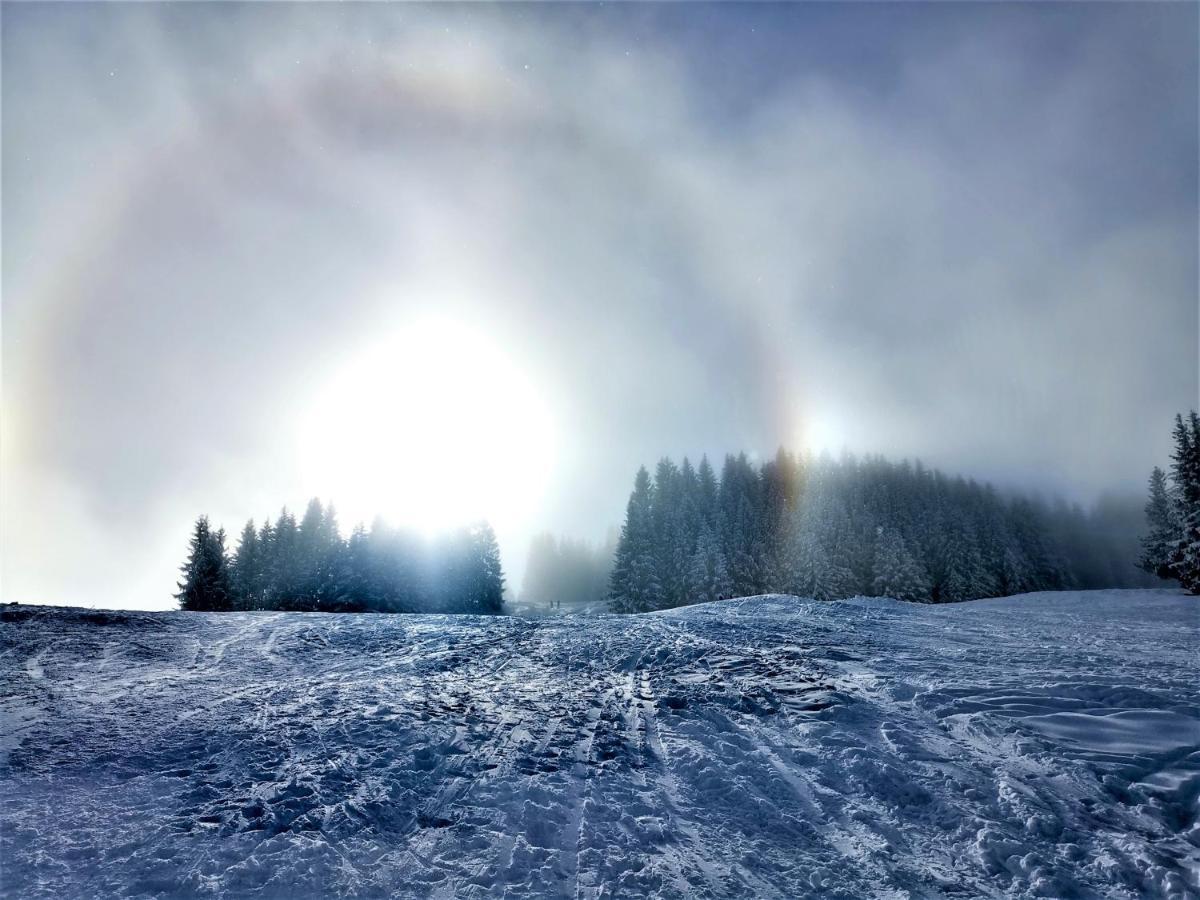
977,247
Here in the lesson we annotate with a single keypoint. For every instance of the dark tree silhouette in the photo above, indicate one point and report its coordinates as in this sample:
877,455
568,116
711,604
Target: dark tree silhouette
206,586
308,566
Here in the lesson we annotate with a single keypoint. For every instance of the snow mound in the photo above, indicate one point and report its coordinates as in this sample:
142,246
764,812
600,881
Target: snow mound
1045,745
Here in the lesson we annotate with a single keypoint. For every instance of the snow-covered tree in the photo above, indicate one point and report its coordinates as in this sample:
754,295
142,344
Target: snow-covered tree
898,573
779,480
1184,555
812,527
1163,528
818,559
706,495
739,499
709,574
635,584
671,536
1171,544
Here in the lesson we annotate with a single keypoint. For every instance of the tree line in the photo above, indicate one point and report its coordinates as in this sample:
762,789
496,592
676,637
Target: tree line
1171,548
831,529
308,566
815,527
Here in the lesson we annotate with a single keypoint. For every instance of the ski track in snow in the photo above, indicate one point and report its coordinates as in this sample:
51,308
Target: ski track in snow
1042,745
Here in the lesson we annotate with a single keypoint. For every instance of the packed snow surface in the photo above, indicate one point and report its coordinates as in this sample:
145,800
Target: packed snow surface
1042,745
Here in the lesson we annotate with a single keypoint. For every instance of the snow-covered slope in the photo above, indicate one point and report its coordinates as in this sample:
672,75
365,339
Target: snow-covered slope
1038,745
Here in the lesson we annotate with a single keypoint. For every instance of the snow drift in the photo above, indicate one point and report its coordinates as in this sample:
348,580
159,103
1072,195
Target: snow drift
1043,745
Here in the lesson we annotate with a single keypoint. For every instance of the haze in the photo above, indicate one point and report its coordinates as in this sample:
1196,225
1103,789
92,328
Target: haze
442,262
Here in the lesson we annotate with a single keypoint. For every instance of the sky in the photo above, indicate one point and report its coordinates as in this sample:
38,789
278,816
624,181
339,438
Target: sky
444,262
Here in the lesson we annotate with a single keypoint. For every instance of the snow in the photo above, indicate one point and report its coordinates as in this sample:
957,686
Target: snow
1042,745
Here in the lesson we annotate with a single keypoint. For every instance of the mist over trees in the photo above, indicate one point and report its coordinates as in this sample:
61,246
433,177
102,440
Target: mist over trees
1171,548
1103,542
564,574
830,529
308,566
822,528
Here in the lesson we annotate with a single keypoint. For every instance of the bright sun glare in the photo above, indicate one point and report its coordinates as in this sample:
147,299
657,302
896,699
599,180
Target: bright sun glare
432,427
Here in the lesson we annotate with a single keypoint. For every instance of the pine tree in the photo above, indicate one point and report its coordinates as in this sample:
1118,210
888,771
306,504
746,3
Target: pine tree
778,481
308,566
246,569
1171,548
1015,575
706,495
898,573
1163,531
351,583
317,548
634,585
403,576
834,576
309,552
266,566
483,583
745,550
956,557
740,502
332,558
817,561
685,534
671,558
284,576
1184,554
709,577
206,586
1039,556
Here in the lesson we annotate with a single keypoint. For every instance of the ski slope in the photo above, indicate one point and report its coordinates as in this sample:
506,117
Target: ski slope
1041,745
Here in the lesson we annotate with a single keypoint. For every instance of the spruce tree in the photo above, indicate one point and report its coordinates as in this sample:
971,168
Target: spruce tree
403,576
817,546
206,586
635,582
351,573
706,495
284,577
1163,529
484,588
1184,554
709,576
685,533
318,546
779,488
310,553
835,577
898,573
266,566
740,503
669,563
245,570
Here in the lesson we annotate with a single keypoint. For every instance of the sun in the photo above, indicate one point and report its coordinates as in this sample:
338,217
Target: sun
433,426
